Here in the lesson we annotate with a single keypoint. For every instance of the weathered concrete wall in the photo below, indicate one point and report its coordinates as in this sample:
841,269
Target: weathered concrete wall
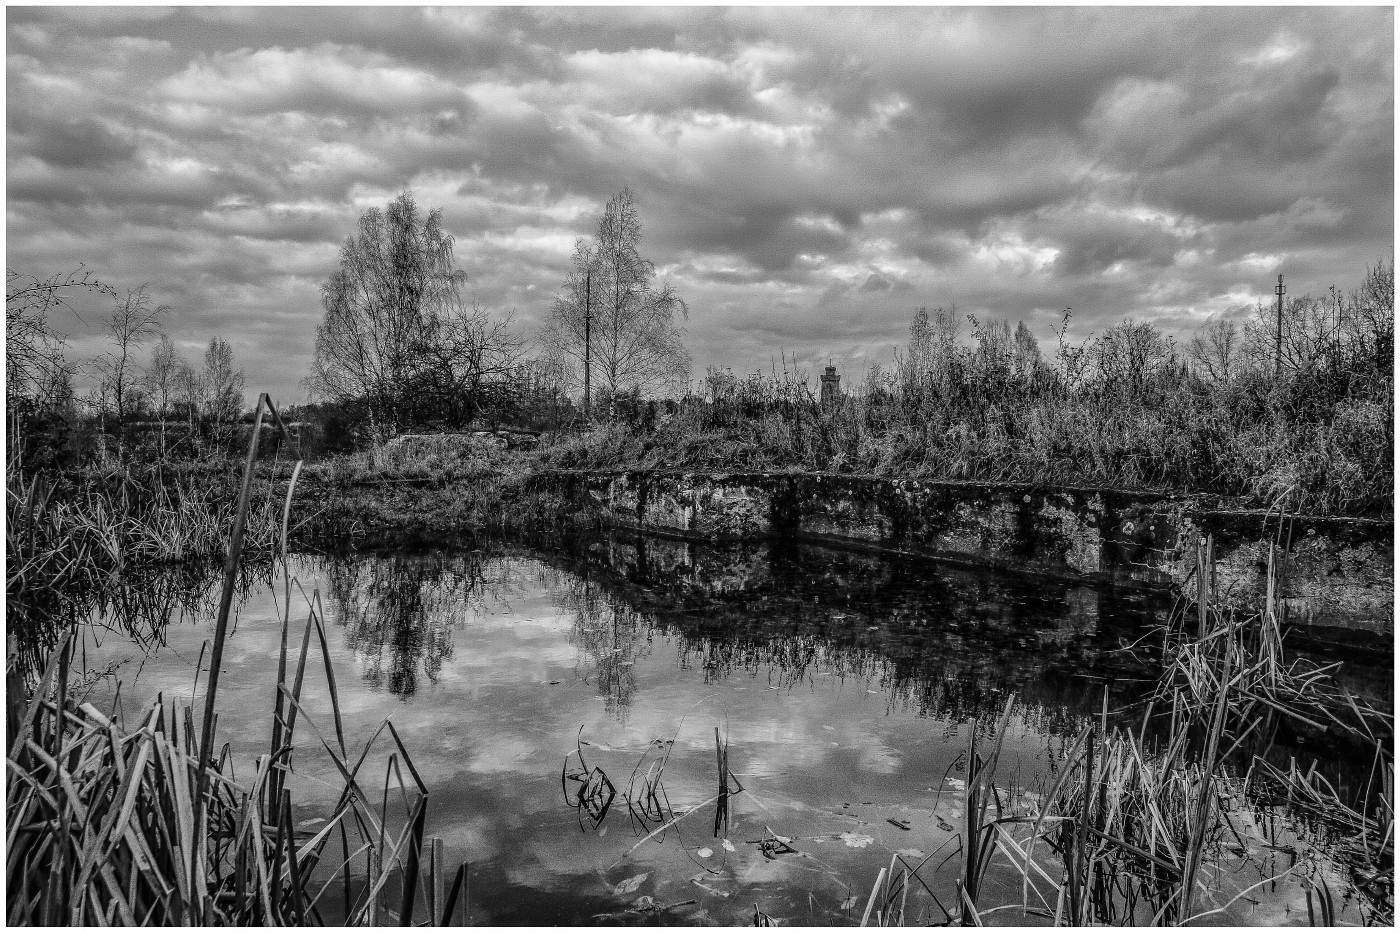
1339,572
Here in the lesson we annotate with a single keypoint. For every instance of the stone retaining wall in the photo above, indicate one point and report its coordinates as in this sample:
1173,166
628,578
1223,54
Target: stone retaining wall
1339,571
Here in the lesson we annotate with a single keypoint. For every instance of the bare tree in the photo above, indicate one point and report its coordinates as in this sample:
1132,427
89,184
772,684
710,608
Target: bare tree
1374,308
189,391
1026,348
159,377
932,339
160,380
1129,354
33,349
467,363
1341,338
396,276
915,366
1215,349
222,384
1310,331
611,313
134,320
994,348
1370,329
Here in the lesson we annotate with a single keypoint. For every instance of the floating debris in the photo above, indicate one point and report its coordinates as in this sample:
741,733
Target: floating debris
630,885
703,886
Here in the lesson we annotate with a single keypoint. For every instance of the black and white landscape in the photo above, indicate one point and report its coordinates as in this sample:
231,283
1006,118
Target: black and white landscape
740,466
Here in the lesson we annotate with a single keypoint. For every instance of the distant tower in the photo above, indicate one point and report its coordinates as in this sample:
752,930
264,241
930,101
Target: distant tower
831,388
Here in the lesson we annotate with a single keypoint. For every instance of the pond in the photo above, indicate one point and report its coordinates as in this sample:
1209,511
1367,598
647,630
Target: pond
842,689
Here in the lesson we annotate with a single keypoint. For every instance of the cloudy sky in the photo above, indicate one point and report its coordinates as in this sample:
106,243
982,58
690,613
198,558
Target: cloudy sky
806,177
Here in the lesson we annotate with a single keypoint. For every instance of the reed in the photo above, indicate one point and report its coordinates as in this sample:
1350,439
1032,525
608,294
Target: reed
1142,821
108,825
103,827
67,546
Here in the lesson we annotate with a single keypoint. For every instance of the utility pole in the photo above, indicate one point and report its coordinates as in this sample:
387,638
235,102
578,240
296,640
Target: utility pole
588,339
1278,333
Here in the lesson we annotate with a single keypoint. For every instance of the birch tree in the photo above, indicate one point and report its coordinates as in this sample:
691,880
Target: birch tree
134,320
222,384
611,312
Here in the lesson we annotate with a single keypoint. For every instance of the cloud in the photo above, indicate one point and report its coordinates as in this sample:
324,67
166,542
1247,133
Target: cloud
68,143
325,79
806,177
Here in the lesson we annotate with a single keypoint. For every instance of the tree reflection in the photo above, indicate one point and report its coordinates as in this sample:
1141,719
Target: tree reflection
610,635
399,611
947,643
141,607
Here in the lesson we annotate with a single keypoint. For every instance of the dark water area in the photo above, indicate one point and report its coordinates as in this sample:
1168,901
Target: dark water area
949,643
845,687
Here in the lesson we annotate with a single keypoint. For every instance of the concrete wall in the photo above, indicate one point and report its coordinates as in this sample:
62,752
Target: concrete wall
1339,572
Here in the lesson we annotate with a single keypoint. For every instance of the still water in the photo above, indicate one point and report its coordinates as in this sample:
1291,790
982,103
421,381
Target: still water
845,688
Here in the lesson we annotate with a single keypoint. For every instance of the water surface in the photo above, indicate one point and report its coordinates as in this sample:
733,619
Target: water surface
845,687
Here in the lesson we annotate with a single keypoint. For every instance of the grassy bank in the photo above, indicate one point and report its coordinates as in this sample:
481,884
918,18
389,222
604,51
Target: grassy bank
1253,443
444,490
1337,468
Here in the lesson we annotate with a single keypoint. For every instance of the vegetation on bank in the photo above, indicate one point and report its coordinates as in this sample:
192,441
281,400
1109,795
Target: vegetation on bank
403,499
1302,419
72,539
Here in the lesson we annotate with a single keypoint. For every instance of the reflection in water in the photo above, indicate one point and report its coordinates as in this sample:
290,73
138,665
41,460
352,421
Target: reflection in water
846,685
610,634
141,607
399,611
944,642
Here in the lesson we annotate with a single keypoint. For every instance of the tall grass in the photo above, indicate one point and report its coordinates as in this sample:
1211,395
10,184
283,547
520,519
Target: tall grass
68,544
107,824
441,489
1144,821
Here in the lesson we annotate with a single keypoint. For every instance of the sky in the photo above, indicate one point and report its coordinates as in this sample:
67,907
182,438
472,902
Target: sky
806,177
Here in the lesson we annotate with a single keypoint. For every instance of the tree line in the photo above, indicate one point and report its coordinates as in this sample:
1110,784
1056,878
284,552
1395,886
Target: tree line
398,343
397,349
45,411
1303,390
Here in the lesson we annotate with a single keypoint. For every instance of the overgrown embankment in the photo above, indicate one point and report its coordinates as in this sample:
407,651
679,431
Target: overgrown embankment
1294,413
1255,446
450,489
433,489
